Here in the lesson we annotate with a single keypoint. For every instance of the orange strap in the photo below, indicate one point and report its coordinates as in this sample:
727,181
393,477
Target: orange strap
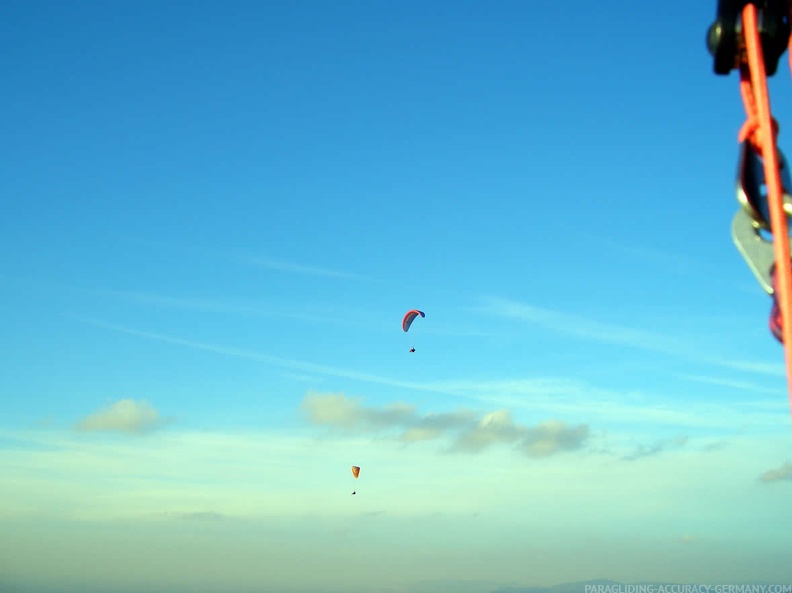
760,131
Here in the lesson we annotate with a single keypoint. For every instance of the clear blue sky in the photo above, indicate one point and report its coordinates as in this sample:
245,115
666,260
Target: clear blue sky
214,216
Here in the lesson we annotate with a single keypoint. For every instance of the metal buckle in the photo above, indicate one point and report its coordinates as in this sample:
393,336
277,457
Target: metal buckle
753,217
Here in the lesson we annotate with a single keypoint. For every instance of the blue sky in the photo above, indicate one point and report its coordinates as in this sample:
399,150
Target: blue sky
215,216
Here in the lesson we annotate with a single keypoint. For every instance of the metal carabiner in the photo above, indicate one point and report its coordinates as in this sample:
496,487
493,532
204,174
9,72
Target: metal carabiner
752,188
753,217
755,249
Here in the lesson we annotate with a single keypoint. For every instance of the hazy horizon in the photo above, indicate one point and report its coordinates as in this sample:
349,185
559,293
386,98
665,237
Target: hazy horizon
215,216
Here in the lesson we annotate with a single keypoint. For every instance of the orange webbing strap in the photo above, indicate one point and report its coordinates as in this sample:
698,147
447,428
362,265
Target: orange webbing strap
760,131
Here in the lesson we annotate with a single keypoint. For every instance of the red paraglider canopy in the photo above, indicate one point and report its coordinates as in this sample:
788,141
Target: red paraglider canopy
409,316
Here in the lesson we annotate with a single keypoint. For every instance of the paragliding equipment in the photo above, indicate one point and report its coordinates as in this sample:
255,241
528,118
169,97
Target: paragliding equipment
355,473
408,319
751,37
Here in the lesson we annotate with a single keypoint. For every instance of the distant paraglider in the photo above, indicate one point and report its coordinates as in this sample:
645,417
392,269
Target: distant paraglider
355,473
409,317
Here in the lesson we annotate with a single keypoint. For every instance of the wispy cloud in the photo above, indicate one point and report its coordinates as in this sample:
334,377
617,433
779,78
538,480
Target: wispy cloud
247,259
741,385
220,305
656,448
478,391
126,415
782,473
554,396
633,409
582,327
675,263
286,363
589,329
468,432
297,268
195,516
749,366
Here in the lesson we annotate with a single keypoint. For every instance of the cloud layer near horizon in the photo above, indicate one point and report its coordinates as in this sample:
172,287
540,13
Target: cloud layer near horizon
182,504
231,512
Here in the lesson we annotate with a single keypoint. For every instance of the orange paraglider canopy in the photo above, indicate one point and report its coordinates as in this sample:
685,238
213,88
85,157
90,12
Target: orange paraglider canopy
355,471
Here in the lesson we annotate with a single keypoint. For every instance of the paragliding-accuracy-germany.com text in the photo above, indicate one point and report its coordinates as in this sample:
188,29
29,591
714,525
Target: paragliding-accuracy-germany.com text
647,588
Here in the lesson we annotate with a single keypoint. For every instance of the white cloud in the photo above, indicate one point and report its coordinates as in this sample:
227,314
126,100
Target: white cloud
126,415
782,473
467,431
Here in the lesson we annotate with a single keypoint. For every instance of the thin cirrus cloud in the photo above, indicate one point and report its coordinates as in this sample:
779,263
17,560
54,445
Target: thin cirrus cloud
577,326
553,396
252,260
486,391
466,431
285,363
250,308
589,329
298,268
224,306
741,385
